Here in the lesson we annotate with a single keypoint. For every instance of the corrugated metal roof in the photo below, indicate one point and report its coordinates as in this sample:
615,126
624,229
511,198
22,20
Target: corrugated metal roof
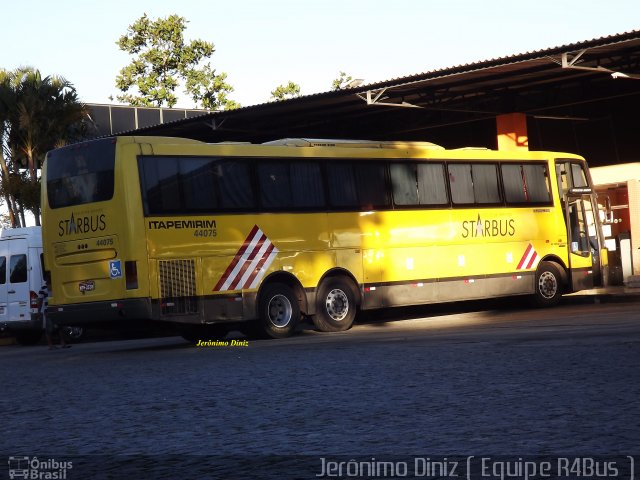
480,87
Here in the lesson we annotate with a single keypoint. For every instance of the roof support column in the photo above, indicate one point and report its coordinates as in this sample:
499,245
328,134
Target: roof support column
512,131
633,187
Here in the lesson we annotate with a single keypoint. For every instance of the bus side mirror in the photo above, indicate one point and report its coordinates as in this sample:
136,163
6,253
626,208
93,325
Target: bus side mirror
606,212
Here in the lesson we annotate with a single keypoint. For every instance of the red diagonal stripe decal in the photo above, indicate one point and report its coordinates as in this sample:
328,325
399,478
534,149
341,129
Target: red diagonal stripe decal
259,266
236,259
533,259
234,285
524,257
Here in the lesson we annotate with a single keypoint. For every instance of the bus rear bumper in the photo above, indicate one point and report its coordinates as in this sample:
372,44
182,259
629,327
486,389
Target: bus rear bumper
114,311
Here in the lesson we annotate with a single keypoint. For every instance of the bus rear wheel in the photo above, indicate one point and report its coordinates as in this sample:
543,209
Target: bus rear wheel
548,287
335,307
279,310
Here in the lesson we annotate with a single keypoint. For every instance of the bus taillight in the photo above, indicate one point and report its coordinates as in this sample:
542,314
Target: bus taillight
131,274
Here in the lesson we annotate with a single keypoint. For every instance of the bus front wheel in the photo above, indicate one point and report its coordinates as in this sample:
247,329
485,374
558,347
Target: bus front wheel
548,287
336,306
279,310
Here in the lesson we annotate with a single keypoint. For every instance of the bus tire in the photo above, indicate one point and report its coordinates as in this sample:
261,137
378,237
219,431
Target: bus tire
72,334
335,306
548,286
278,310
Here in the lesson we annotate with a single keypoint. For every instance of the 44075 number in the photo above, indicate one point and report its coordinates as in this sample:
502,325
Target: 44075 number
205,232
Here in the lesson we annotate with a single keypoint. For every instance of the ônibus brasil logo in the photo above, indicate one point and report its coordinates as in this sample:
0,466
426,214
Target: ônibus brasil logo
35,468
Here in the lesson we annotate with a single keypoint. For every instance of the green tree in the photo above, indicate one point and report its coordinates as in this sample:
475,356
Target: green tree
340,82
37,114
289,90
162,60
210,90
6,106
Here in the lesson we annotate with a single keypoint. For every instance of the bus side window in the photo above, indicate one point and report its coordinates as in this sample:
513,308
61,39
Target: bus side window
233,183
307,189
371,185
342,185
196,182
290,185
404,182
537,181
418,184
432,185
485,183
526,183
461,183
275,185
161,184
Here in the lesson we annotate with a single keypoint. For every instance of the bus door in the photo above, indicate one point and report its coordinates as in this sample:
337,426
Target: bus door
584,263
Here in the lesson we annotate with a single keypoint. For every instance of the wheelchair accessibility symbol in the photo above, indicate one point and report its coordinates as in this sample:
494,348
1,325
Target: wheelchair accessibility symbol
115,269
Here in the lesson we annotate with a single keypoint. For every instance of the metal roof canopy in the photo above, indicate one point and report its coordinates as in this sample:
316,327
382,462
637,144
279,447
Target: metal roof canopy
569,82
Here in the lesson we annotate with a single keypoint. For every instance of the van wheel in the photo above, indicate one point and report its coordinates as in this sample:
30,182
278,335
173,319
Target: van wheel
28,338
279,310
335,306
548,286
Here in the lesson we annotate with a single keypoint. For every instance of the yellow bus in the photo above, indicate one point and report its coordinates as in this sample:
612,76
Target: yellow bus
207,236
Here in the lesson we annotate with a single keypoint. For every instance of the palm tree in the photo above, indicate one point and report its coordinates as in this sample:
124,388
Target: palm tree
41,114
6,106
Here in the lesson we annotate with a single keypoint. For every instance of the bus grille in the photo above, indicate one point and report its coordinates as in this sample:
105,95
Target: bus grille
178,287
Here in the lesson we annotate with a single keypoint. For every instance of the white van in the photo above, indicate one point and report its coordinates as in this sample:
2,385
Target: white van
21,278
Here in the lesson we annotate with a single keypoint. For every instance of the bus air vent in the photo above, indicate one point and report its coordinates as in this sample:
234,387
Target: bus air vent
178,287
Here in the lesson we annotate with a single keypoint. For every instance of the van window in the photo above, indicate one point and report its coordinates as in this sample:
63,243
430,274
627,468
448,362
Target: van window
18,268
3,270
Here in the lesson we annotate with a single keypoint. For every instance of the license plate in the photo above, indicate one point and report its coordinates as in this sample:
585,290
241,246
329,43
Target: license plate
87,286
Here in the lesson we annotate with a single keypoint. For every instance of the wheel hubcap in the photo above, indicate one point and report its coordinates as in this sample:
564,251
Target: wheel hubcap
279,311
337,304
547,285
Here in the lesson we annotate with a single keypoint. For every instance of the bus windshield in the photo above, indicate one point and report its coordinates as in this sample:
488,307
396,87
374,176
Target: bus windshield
80,174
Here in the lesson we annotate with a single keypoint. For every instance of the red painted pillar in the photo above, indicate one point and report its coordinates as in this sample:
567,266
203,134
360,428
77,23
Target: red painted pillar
512,131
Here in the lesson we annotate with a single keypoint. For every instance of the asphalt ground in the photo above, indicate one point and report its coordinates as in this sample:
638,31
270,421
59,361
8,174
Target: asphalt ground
471,379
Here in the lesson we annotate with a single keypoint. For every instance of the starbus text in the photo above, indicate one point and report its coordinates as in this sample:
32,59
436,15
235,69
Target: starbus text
488,228
92,223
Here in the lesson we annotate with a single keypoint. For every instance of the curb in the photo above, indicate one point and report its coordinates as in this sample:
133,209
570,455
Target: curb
7,341
603,297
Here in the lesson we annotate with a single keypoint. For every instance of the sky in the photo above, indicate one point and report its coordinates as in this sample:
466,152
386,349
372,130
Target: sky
263,44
